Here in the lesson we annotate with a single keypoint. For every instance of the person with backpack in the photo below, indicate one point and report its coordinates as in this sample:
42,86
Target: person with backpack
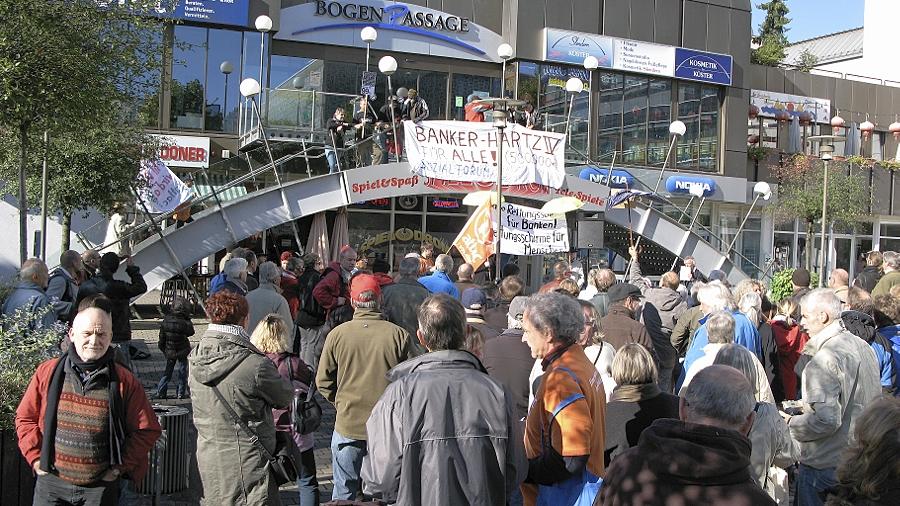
174,332
271,337
62,289
414,107
310,331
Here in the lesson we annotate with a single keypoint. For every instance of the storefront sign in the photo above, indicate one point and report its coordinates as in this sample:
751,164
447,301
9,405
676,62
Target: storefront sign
219,12
702,66
164,191
683,184
444,204
573,47
401,27
404,235
770,103
184,151
620,178
644,57
467,151
528,231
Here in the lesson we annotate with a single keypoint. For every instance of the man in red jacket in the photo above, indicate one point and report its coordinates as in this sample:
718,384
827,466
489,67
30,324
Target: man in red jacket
332,291
85,420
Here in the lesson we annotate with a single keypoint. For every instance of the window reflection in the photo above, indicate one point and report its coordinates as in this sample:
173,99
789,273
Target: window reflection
634,121
222,103
188,69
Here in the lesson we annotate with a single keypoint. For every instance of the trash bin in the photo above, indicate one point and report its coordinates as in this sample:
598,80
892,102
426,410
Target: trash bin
169,458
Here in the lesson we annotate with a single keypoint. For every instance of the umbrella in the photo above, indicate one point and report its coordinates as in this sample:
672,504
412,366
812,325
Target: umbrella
851,146
340,235
625,195
318,237
562,205
794,143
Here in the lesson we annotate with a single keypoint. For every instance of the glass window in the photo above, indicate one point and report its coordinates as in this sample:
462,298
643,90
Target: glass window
660,112
222,91
554,102
698,108
634,121
689,113
188,77
463,86
369,232
148,86
610,114
709,128
406,228
432,87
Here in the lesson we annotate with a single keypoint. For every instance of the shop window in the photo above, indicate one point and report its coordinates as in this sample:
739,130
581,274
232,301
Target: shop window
890,237
370,233
464,85
407,236
188,77
634,121
221,103
446,204
610,114
660,116
554,104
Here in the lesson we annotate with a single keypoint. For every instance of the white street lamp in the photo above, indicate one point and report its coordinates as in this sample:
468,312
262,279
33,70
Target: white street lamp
505,52
226,68
574,86
368,35
591,63
387,65
676,129
696,191
761,190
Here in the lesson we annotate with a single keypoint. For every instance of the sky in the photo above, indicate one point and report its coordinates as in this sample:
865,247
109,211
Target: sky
812,18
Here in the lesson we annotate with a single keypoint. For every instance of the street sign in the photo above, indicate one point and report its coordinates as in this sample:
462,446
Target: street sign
368,84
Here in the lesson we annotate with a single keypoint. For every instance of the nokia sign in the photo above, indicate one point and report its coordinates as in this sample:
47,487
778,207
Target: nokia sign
683,184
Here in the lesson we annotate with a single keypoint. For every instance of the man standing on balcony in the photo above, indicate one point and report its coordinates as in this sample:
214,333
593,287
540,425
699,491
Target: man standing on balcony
365,122
334,143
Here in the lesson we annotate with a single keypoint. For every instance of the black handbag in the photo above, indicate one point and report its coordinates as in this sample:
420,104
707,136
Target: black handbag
281,464
306,414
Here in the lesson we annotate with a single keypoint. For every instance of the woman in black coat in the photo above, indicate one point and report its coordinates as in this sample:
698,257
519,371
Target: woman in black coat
174,332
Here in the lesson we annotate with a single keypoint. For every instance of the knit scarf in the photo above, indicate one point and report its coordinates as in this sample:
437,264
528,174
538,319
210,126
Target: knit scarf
635,393
95,369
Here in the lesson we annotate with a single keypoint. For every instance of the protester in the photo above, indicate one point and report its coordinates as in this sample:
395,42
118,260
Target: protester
334,145
271,337
592,339
292,269
636,400
770,438
891,278
28,294
568,287
62,289
508,359
868,473
332,290
236,276
84,422
381,270
90,261
887,318
414,108
591,288
800,282
364,121
443,432
560,272
309,333
120,294
620,325
475,108
863,321
351,375
750,305
662,308
839,282
267,299
687,324
439,281
510,287
401,300
474,301
871,273
570,394
464,278
174,332
839,380
252,266
703,458
789,340
225,363
117,239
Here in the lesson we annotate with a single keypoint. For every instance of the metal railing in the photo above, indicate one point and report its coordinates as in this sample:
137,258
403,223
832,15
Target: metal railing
302,113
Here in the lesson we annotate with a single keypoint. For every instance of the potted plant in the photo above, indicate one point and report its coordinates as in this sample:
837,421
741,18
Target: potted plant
782,286
22,347
757,152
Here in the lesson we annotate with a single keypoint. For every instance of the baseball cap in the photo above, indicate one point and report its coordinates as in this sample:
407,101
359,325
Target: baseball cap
474,299
364,283
622,291
517,307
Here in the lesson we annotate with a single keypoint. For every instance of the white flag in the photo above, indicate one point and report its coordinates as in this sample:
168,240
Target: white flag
164,191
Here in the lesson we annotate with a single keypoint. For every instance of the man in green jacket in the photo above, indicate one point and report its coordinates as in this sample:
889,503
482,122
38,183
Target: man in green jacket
352,376
891,266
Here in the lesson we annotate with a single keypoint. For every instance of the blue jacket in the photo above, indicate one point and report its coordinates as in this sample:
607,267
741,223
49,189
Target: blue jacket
745,334
892,334
28,295
439,282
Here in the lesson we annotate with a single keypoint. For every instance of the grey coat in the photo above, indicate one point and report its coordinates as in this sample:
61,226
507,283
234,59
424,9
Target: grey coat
771,443
660,313
265,300
29,296
443,433
232,470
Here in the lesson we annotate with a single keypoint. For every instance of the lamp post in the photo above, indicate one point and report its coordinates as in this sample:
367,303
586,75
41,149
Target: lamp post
695,191
574,86
505,52
677,129
250,88
263,26
761,190
825,153
500,122
368,35
387,65
226,68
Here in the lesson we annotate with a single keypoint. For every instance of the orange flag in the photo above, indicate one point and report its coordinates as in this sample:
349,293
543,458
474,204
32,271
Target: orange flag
475,241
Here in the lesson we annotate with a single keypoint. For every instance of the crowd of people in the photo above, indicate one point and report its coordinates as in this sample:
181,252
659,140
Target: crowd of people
451,389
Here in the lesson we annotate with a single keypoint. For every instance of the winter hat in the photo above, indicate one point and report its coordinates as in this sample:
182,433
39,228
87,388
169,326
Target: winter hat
474,300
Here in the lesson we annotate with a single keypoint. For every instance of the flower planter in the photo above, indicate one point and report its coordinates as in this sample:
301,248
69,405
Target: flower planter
16,479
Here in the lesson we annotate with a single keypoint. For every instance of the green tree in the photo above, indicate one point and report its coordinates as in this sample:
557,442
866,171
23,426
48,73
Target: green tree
771,39
71,67
800,188
807,61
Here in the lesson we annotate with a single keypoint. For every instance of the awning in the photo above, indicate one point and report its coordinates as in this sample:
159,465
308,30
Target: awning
219,182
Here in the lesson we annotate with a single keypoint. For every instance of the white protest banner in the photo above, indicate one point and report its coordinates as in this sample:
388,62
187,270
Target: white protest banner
528,231
468,151
164,191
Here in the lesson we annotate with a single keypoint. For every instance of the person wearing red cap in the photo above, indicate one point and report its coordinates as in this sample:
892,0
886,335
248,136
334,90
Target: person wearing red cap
352,376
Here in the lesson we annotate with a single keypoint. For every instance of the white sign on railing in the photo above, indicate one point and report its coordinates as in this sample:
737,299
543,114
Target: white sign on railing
469,151
528,231
164,191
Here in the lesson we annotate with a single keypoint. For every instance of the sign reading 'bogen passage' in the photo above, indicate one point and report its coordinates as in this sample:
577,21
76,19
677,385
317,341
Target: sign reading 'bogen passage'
462,151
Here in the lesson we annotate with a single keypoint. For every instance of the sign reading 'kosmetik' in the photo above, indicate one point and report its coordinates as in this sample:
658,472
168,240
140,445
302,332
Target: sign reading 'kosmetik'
463,151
